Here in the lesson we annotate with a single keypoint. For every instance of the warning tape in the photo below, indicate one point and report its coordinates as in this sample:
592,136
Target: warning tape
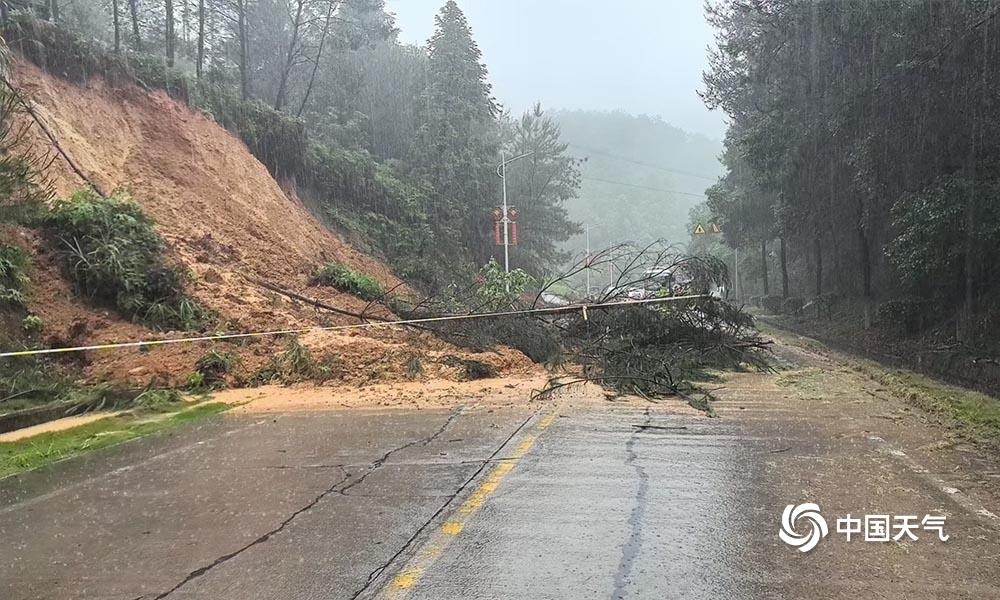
372,325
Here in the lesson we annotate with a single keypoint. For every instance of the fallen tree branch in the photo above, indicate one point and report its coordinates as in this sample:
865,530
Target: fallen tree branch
364,318
26,103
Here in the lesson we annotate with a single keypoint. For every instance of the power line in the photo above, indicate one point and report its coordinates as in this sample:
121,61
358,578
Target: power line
276,332
644,164
644,187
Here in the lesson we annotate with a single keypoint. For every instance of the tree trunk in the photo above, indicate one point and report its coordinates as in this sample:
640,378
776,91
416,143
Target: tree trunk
118,26
201,38
763,267
134,11
279,101
864,260
242,24
54,11
968,306
169,10
818,250
331,7
784,268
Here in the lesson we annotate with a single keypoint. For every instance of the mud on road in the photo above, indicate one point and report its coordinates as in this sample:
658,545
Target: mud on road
481,493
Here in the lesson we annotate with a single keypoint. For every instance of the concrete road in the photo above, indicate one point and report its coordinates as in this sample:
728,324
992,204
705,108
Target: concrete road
573,499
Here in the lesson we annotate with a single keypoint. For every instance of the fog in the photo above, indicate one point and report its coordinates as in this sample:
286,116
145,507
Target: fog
643,57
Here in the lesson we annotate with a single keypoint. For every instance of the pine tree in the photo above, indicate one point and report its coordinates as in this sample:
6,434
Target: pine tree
364,23
538,186
457,148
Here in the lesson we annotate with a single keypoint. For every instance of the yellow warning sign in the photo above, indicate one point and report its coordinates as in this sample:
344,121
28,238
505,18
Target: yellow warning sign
699,229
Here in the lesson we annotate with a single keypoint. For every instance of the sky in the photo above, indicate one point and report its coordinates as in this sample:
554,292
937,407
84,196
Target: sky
640,56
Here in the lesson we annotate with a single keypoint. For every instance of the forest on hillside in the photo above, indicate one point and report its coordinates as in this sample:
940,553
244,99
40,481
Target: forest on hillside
395,145
863,155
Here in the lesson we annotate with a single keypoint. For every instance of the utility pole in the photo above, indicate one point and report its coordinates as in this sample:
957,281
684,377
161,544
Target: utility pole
588,260
505,219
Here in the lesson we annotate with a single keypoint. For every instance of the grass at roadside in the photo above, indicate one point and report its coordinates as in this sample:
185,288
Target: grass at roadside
974,414
47,448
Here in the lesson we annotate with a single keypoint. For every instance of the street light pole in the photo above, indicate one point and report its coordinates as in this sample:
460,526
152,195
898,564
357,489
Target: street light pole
505,219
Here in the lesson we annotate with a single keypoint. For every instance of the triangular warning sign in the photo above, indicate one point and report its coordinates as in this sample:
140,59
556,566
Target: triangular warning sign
715,228
699,230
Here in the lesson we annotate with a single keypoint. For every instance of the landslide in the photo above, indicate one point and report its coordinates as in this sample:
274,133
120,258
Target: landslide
223,217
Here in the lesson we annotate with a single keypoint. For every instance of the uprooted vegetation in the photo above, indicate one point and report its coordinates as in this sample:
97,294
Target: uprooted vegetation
348,280
13,262
294,364
659,347
114,256
116,259
32,391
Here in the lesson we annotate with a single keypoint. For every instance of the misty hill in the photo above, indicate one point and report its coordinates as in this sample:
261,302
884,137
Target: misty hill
641,176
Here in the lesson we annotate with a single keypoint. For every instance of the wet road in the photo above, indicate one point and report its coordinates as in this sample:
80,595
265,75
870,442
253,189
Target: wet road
574,499
612,503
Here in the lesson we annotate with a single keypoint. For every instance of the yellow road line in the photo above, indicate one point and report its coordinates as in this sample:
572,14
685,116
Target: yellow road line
400,585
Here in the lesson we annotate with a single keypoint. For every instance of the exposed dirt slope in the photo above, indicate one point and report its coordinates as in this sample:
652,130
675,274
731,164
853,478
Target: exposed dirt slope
222,215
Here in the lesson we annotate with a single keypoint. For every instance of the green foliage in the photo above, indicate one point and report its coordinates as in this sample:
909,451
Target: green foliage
857,127
195,381
47,448
500,290
32,324
64,53
772,304
158,400
541,184
381,213
907,315
929,248
13,262
296,363
29,382
23,186
26,382
347,280
274,138
153,72
662,350
114,256
792,306
458,141
53,48
212,369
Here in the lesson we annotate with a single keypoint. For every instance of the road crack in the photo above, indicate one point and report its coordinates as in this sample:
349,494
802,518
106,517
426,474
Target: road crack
375,573
336,487
632,545
379,462
260,540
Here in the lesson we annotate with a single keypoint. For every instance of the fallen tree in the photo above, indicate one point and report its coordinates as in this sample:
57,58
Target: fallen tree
656,331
